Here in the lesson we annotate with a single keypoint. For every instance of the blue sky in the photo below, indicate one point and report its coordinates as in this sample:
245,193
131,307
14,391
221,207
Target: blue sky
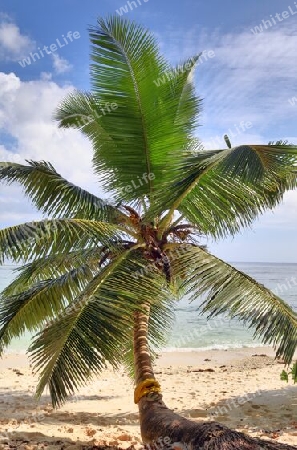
248,87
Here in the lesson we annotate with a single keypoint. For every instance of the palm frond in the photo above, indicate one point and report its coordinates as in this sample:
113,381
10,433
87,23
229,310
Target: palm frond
80,343
228,189
36,239
182,87
179,109
147,131
51,266
54,195
44,287
230,291
31,308
96,327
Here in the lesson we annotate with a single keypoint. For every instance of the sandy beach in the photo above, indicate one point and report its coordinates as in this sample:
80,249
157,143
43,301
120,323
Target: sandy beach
240,388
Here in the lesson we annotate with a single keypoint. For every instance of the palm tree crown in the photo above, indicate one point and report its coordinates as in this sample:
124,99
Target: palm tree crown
93,263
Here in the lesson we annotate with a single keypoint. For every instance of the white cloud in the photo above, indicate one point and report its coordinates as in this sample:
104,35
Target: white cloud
61,65
250,78
46,76
26,110
13,44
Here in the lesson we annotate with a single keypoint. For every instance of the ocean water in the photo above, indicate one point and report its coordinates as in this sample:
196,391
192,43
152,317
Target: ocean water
192,331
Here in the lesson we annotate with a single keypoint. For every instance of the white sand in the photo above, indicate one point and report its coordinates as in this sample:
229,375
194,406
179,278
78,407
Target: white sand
244,392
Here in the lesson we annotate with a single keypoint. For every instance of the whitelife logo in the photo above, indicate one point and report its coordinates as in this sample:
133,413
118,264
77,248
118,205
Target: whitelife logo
278,17
293,101
129,6
42,52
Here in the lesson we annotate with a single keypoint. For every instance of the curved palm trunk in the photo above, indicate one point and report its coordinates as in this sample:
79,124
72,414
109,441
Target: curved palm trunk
161,427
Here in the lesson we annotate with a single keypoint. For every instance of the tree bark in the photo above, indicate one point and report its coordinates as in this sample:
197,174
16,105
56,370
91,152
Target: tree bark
142,358
162,428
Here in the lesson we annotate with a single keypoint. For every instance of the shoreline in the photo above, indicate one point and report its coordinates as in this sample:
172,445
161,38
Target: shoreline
240,388
195,356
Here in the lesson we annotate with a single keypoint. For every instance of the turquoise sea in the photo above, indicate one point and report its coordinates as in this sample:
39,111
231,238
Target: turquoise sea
191,331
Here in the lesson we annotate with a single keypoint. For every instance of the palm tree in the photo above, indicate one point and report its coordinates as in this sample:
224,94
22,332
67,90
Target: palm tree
98,279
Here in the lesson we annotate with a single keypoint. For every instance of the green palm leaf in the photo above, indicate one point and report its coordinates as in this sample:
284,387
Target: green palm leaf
79,344
231,291
54,195
37,239
30,309
227,189
147,133
96,327
52,266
